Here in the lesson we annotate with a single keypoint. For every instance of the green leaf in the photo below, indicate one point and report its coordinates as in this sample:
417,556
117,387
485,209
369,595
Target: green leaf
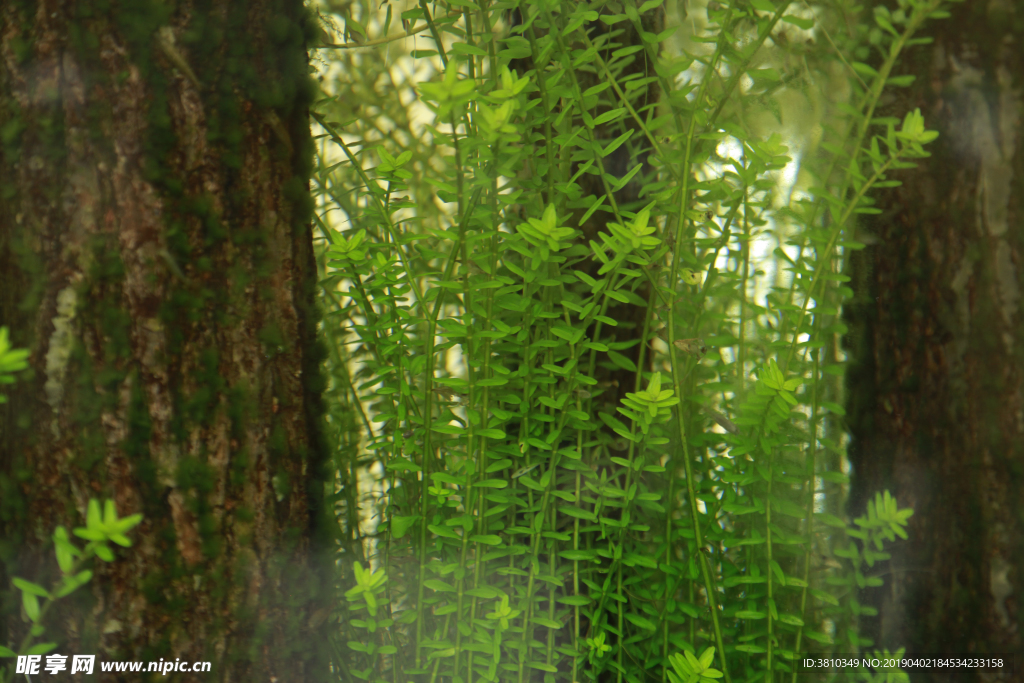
833,407
93,520
104,552
72,583
486,539
825,597
31,603
901,81
29,587
609,116
864,70
777,570
574,511
791,619
649,5
491,483
120,539
443,531
575,600
750,614
439,586
401,524
127,523
466,49
578,555
622,361
41,648
641,622
805,24
633,559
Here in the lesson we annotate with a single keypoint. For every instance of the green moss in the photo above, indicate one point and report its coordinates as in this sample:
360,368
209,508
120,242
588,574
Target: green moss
170,567
201,406
240,410
31,264
197,477
194,473
244,514
136,443
238,77
202,207
296,191
316,382
272,338
10,141
87,406
277,443
212,540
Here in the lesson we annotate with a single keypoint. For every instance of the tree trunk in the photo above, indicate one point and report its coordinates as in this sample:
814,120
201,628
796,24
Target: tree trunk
936,409
156,260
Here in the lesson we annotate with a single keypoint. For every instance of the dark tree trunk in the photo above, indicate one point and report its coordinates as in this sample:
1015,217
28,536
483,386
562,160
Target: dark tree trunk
935,406
156,260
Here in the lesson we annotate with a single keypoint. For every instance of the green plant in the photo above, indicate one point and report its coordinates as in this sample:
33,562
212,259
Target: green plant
500,299
11,361
100,530
365,595
688,669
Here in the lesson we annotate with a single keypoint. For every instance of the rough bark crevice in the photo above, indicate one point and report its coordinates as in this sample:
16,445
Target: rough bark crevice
154,228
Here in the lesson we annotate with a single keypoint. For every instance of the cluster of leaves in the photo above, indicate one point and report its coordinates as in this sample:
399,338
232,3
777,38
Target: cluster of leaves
11,360
521,521
100,530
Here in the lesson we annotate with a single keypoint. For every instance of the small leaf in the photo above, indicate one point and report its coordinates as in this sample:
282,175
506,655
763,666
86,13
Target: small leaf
31,603
93,521
805,24
690,277
41,648
89,534
400,525
29,587
120,539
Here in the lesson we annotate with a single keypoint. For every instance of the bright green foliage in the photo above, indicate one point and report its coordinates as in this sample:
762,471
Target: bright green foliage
11,361
544,235
99,530
364,595
647,406
348,249
688,669
368,585
482,262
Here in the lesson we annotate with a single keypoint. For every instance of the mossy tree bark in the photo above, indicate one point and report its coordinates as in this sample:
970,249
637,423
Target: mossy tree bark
156,259
936,408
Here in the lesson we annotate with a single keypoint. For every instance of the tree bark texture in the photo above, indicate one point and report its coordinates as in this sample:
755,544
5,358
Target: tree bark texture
935,404
156,260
